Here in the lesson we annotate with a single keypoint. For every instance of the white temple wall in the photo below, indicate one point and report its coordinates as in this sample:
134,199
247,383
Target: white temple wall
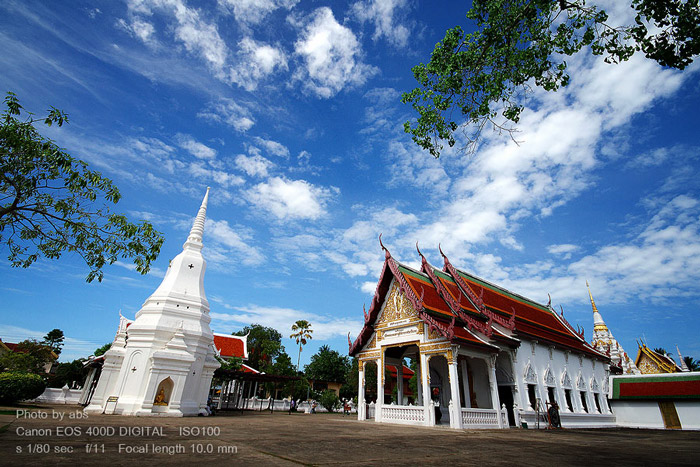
548,365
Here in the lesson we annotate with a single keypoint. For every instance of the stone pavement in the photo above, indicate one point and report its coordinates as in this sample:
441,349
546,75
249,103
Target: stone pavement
254,438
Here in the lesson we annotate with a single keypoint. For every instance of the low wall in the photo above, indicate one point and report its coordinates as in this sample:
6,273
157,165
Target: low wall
646,414
60,396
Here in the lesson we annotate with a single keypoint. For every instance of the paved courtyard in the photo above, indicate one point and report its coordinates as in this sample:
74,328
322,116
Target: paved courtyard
321,439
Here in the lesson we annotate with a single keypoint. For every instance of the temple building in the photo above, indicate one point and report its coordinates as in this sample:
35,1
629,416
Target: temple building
162,362
604,342
484,357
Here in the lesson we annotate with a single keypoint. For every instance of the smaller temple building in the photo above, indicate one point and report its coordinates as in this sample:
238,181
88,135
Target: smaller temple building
484,356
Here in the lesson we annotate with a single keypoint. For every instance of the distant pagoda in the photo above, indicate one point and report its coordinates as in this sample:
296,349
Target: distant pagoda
604,341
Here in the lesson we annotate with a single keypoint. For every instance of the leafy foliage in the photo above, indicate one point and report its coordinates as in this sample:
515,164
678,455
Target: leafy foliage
691,363
328,365
48,202
264,346
54,339
101,350
480,79
70,373
29,356
329,400
301,331
15,386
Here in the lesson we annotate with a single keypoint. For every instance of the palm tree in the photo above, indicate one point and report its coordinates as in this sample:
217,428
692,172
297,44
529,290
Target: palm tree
692,364
301,332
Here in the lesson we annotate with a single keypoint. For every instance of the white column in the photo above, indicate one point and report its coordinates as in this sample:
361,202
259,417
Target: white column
361,408
380,390
456,414
465,384
419,385
399,383
495,401
427,402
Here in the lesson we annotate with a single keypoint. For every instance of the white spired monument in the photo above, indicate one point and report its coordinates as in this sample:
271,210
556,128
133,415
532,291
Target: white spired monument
162,362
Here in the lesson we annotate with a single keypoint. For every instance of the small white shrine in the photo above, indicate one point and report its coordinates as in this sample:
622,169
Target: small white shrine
162,362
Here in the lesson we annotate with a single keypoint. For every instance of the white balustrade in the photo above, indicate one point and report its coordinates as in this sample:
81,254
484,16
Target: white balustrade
403,414
481,418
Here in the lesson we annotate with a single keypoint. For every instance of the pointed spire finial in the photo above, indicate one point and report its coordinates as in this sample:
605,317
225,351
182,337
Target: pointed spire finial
194,240
595,309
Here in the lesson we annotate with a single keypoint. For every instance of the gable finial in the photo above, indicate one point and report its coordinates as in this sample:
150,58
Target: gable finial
386,250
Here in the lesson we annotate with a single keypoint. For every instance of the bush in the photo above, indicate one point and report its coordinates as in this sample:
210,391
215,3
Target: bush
20,386
330,400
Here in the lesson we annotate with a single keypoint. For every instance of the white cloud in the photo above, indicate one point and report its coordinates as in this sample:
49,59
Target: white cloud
255,61
290,199
197,149
225,245
384,15
197,35
225,179
229,112
254,165
254,11
142,30
369,287
272,147
564,250
331,54
279,318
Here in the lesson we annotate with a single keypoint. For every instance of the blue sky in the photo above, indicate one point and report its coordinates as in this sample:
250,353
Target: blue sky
290,110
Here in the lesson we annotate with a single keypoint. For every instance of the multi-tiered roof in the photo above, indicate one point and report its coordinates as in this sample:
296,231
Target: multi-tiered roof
470,311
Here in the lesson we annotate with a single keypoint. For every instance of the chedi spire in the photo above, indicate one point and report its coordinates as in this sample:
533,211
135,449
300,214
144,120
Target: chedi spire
194,240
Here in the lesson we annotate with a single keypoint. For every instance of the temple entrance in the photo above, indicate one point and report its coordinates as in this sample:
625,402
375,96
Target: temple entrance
440,389
505,394
506,384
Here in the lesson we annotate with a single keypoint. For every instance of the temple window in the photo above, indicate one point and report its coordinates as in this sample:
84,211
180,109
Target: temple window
569,405
583,401
532,395
597,402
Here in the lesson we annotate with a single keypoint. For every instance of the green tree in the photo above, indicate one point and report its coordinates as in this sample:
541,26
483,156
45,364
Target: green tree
301,331
264,346
29,356
328,365
69,373
49,202
660,350
691,363
349,389
20,386
329,400
476,80
101,350
54,339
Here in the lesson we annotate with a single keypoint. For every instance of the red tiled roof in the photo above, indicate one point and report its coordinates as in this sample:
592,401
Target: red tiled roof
531,319
231,346
407,372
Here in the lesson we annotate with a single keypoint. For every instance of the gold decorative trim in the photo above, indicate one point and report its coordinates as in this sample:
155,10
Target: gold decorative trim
368,355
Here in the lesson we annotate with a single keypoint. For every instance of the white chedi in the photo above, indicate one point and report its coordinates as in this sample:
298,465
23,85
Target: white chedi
163,363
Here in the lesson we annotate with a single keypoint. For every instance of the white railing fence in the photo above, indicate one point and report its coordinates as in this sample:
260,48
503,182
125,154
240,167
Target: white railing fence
403,414
482,418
